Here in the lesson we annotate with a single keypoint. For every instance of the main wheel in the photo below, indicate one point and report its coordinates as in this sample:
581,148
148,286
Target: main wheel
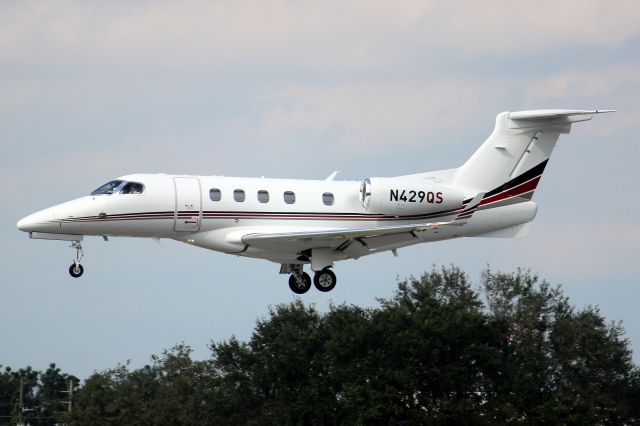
300,288
325,280
76,270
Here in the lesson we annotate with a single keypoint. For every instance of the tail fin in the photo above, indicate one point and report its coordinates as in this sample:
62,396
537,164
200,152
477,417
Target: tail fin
511,161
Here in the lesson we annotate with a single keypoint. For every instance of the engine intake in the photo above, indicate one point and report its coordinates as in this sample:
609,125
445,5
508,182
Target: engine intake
404,197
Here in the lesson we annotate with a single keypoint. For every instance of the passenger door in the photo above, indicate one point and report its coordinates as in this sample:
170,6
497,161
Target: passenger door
188,213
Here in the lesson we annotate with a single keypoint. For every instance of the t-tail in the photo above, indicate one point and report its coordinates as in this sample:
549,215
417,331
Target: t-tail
509,164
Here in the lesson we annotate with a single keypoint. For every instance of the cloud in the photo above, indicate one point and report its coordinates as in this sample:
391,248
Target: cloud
331,36
211,35
611,87
527,27
374,115
591,83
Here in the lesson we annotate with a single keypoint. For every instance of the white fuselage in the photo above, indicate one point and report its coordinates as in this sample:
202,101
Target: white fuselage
182,208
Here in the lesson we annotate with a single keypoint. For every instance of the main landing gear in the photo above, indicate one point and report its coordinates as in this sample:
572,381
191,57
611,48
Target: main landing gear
325,280
300,282
76,269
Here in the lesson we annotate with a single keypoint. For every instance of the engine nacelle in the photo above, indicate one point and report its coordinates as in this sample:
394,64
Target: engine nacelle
402,197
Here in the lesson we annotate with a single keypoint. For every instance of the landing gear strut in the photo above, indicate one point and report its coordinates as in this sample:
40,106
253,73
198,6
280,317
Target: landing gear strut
76,269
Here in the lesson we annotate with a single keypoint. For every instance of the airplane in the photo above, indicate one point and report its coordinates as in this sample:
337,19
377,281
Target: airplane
318,222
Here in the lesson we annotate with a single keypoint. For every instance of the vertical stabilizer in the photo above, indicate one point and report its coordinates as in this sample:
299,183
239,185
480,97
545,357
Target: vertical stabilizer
516,153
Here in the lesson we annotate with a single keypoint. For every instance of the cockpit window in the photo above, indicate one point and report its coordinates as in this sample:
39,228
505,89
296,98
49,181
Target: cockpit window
119,186
108,188
132,188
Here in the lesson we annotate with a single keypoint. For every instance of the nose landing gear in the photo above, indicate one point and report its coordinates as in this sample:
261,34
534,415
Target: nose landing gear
76,269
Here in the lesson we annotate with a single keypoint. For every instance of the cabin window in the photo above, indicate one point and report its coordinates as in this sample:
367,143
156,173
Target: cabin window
215,194
238,195
289,197
132,188
327,199
108,188
263,196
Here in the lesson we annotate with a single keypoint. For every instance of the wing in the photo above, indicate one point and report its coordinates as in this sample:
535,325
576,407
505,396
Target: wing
366,239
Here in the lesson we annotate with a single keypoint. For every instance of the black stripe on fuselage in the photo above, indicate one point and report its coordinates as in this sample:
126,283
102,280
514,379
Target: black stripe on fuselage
528,175
533,172
256,215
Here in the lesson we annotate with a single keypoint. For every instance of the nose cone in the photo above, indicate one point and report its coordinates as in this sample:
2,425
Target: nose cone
26,224
37,222
42,221
55,219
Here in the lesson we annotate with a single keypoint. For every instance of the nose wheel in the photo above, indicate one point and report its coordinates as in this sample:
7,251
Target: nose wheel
76,270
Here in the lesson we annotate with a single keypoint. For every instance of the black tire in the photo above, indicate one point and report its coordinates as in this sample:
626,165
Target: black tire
298,288
74,271
325,280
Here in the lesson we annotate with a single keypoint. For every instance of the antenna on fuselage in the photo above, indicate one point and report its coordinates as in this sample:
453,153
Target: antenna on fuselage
332,176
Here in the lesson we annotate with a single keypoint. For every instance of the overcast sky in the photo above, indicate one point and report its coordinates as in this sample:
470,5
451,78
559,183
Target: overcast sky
90,91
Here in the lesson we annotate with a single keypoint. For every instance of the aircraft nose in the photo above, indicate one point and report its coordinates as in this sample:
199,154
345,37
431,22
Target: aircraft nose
26,224
51,220
39,222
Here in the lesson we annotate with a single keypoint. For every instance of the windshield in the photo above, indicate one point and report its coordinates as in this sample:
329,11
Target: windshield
108,188
120,186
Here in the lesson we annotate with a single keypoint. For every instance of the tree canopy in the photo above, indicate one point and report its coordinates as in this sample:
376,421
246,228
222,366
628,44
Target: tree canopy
441,350
45,395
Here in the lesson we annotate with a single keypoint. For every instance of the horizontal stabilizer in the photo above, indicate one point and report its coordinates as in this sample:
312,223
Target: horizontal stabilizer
537,118
546,114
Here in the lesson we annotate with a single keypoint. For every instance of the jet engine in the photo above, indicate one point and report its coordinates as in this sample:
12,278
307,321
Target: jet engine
404,197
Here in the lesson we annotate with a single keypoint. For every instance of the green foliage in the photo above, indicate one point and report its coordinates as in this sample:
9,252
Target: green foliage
439,351
174,390
561,366
44,395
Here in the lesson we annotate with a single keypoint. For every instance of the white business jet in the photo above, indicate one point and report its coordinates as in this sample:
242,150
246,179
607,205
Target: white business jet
318,222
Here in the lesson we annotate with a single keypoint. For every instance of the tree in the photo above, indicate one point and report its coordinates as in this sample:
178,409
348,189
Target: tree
9,394
561,365
439,351
42,395
52,394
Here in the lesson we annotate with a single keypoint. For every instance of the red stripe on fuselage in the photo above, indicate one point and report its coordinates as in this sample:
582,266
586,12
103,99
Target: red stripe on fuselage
513,192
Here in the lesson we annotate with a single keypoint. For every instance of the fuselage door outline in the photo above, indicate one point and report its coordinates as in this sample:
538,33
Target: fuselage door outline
188,206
